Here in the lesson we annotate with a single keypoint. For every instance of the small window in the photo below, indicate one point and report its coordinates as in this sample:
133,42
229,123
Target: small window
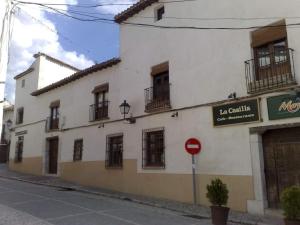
114,151
20,115
78,148
159,13
19,149
153,148
23,83
99,110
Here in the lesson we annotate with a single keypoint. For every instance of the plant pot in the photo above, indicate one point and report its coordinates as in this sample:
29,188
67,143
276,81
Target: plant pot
291,222
219,215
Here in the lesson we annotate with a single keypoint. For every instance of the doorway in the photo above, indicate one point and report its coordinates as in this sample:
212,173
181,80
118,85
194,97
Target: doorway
52,155
281,159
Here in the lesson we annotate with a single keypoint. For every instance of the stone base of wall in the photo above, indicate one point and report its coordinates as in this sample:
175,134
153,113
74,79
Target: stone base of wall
176,187
32,165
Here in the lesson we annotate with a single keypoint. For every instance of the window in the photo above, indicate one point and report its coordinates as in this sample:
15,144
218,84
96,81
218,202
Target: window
23,83
54,115
78,147
20,115
114,151
19,149
158,96
160,12
153,148
99,110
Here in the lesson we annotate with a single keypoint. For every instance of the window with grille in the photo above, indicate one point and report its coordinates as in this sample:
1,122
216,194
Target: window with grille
153,148
20,115
19,149
78,148
114,151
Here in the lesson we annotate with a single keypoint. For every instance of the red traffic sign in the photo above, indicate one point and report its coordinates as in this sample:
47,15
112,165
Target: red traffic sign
193,146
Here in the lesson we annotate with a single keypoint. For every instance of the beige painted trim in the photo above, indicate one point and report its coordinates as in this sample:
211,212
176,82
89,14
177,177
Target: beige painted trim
31,165
176,187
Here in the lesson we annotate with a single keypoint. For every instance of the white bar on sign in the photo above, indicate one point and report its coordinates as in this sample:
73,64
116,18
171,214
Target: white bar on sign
193,146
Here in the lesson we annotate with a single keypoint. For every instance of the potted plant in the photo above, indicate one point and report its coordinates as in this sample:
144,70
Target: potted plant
290,200
217,193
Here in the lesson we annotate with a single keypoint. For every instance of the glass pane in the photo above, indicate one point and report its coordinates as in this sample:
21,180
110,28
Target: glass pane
280,52
263,55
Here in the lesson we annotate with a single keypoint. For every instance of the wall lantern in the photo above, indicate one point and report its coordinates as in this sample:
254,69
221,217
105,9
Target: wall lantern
8,123
124,109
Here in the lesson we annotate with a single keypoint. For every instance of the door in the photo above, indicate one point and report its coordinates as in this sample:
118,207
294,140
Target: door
272,61
161,89
282,157
53,156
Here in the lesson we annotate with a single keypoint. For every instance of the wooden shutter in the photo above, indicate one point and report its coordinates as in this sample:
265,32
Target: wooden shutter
160,68
55,104
101,88
273,32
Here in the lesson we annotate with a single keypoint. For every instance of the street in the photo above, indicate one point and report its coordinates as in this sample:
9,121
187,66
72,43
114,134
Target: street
28,204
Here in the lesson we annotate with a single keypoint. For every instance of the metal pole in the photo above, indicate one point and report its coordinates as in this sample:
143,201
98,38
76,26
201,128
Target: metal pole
194,180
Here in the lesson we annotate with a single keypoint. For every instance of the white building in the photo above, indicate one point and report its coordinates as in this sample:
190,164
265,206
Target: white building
177,82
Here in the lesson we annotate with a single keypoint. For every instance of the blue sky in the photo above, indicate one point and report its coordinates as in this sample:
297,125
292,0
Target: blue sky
81,44
99,41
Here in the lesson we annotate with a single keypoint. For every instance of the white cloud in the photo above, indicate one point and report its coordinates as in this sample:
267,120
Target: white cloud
33,32
114,9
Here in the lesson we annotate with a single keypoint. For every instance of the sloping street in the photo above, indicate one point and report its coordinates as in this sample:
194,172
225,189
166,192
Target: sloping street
23,203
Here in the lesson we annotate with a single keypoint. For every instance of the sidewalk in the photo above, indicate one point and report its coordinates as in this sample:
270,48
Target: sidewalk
187,209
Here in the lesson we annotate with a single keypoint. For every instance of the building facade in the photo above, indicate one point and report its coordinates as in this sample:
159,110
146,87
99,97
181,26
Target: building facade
8,116
234,89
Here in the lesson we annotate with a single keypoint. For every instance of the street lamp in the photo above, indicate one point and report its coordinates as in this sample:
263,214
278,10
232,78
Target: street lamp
124,109
8,124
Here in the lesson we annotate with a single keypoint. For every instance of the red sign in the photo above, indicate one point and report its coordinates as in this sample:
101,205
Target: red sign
193,146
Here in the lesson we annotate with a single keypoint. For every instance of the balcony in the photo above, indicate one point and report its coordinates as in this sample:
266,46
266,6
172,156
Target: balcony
99,111
52,124
157,98
270,71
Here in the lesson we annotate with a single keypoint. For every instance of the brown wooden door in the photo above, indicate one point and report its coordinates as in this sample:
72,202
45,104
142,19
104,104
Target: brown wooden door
272,62
282,157
161,88
53,156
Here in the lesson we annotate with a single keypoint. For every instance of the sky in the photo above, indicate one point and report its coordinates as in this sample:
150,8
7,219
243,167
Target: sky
78,43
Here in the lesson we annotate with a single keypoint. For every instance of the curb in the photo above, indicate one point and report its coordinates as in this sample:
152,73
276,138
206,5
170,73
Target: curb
124,199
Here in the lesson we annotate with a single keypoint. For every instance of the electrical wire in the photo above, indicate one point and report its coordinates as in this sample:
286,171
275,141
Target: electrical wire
164,26
52,30
99,5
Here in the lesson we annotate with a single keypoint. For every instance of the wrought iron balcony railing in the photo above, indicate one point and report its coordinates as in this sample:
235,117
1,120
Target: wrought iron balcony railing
52,124
270,71
99,111
157,98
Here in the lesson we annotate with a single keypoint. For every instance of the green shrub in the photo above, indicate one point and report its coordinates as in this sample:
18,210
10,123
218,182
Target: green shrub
217,193
290,199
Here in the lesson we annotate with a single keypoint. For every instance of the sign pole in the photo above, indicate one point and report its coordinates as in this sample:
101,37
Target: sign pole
194,179
193,147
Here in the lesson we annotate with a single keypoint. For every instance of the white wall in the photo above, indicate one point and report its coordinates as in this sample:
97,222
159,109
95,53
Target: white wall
205,66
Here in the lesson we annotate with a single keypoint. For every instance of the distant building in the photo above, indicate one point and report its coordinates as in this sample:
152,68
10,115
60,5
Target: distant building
235,90
8,114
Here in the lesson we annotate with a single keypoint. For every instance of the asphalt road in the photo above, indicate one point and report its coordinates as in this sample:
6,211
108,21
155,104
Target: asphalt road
28,204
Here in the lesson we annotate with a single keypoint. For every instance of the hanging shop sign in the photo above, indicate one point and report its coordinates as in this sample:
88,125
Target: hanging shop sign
283,106
235,113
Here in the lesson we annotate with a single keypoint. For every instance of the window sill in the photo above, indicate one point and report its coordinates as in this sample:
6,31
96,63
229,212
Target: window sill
157,167
53,130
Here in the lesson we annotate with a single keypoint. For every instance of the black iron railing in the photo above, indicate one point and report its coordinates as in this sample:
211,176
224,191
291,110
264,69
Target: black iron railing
52,124
99,111
270,71
157,97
